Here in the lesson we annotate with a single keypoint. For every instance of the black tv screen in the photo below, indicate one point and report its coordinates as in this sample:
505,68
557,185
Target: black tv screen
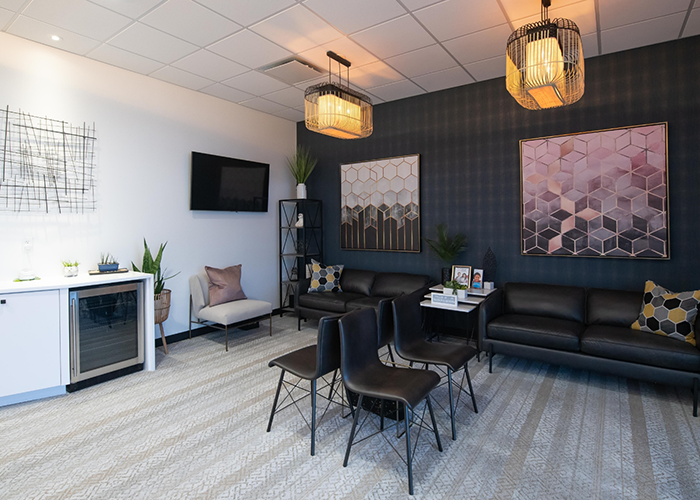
228,184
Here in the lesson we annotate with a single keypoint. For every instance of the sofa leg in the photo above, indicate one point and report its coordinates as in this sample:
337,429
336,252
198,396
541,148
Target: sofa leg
299,322
491,358
696,391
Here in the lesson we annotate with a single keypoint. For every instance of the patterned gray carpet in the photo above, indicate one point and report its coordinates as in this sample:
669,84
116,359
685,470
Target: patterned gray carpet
195,429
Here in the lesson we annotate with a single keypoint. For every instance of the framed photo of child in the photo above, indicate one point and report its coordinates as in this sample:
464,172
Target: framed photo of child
478,278
462,274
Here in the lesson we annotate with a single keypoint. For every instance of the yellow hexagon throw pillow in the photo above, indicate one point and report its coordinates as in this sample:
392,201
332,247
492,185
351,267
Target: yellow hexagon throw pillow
325,278
667,313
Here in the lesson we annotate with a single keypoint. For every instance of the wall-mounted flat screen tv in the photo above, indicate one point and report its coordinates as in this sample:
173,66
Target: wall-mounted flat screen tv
228,184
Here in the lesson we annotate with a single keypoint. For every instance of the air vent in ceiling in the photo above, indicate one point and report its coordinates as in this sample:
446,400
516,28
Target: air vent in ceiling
292,71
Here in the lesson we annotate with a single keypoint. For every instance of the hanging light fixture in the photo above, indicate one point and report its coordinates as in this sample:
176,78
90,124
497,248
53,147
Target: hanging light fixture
544,63
335,109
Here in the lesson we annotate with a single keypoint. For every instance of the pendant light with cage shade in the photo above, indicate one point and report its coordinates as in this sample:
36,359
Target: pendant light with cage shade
337,110
544,63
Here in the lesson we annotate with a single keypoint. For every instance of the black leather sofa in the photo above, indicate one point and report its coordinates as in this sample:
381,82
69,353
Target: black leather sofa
587,329
361,289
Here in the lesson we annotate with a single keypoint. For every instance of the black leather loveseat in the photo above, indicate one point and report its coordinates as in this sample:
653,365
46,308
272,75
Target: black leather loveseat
587,329
361,289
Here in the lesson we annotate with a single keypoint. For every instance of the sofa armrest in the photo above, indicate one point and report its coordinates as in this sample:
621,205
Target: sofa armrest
302,289
490,309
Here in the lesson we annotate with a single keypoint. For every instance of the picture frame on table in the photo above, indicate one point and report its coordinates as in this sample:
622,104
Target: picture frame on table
462,274
478,278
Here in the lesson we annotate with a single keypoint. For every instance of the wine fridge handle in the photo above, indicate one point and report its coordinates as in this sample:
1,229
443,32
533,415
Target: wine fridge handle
73,339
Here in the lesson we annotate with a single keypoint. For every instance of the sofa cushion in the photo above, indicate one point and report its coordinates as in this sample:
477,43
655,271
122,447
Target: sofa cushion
325,278
365,302
395,284
668,314
357,281
612,307
552,301
333,302
625,344
552,333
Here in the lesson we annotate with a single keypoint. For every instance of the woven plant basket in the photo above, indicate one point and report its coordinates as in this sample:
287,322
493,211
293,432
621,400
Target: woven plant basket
162,306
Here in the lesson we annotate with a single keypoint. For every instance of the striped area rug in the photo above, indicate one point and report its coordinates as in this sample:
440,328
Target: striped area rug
195,429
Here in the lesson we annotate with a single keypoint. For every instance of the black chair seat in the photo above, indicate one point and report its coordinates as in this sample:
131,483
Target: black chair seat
453,355
301,363
383,382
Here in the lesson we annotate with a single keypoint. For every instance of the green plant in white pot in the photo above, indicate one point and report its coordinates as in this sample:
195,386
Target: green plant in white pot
447,248
455,288
301,164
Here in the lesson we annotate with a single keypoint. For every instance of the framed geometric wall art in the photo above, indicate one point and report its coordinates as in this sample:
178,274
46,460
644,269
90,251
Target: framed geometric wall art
596,194
380,205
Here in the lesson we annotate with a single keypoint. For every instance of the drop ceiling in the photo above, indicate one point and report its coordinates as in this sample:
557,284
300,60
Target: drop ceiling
398,48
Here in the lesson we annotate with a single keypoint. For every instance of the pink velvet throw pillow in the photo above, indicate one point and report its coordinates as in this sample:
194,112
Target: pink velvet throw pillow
224,284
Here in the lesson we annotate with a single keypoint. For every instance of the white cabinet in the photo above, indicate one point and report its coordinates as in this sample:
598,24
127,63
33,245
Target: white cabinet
30,341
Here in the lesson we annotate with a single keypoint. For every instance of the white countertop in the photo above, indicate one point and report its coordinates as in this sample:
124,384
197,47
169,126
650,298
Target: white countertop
60,282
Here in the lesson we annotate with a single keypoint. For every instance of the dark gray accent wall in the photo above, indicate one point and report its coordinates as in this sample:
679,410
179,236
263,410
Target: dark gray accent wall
468,139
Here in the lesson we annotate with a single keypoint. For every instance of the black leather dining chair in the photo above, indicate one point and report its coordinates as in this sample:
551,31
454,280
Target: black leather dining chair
310,363
364,374
410,344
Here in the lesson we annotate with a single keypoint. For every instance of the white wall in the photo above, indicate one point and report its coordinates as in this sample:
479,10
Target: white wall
146,131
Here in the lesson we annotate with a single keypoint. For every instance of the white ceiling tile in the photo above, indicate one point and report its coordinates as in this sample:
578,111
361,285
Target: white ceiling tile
615,13
693,26
12,5
78,16
5,16
190,21
519,9
488,68
357,15
263,105
481,45
422,61
590,45
419,4
123,59
210,65
582,13
293,115
650,32
130,8
344,47
151,43
42,32
394,37
255,83
446,79
223,92
181,78
291,96
316,81
374,75
249,49
297,29
247,12
455,18
398,90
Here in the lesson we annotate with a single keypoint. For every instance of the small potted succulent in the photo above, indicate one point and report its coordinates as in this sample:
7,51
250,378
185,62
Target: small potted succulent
108,263
455,288
70,268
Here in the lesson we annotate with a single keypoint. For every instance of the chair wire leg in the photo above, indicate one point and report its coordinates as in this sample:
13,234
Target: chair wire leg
432,418
274,404
352,431
471,389
347,395
408,451
452,404
330,393
391,354
313,417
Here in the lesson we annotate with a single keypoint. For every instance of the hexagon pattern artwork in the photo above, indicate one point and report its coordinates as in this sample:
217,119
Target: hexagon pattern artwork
380,205
598,194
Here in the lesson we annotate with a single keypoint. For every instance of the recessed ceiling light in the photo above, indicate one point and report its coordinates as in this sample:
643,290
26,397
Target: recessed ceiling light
56,38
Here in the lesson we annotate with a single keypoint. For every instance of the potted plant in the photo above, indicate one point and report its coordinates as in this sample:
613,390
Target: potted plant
161,294
301,164
455,288
108,263
70,268
447,248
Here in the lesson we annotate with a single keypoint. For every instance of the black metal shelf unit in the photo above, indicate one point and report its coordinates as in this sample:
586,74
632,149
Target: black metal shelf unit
300,241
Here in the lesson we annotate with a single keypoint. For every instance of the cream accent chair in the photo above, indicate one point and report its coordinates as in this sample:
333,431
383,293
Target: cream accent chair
231,314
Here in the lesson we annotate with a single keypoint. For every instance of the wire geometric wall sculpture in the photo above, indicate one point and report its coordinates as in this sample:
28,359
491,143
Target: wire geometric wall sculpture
47,165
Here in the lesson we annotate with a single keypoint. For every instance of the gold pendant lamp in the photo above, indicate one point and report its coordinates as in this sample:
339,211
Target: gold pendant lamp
335,109
544,63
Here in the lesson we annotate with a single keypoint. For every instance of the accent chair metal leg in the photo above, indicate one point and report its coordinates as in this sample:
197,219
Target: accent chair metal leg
270,324
452,404
274,403
352,431
432,418
696,393
491,358
408,451
471,390
226,328
190,318
313,417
